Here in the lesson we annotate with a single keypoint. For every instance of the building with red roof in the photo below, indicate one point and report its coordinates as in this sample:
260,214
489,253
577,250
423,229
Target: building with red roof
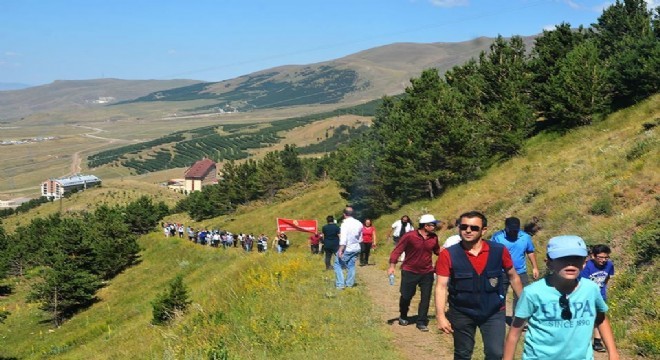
202,173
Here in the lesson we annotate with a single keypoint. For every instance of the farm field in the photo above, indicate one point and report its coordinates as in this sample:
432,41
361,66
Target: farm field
25,166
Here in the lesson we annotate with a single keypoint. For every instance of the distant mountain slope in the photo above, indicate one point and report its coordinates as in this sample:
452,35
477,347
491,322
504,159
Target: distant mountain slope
78,94
366,75
363,76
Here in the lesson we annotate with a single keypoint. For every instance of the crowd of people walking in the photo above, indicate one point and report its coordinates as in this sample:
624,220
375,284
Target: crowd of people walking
221,238
562,313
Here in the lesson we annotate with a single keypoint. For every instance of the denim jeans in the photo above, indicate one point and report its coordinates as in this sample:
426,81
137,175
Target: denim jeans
409,283
492,331
347,261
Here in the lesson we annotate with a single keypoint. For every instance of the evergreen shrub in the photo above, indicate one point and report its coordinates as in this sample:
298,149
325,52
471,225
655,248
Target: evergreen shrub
171,302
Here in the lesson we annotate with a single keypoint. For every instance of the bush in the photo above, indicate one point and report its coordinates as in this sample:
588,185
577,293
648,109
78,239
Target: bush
646,244
639,148
3,315
602,206
170,303
218,352
647,341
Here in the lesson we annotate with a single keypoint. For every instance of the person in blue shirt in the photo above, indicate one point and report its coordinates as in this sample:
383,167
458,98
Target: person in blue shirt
599,269
561,309
520,246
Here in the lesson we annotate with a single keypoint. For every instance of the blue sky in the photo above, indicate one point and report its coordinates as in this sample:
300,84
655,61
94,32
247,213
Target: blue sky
47,40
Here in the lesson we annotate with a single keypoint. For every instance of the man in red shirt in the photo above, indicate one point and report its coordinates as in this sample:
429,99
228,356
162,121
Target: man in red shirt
314,241
416,269
471,275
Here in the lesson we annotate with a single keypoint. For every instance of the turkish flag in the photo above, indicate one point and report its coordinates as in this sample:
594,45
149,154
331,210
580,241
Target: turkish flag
310,226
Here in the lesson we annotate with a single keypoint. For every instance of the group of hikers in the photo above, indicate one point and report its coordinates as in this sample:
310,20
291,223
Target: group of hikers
226,239
562,313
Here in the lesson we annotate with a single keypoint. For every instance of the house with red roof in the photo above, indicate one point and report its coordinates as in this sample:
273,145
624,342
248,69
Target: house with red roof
201,173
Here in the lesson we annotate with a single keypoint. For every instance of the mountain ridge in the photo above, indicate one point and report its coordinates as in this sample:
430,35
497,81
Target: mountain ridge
355,78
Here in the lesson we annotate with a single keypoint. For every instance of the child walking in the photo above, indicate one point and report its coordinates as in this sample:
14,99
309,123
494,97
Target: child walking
599,269
562,309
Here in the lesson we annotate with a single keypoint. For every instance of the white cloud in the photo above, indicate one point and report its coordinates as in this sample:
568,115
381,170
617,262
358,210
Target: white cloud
550,27
449,3
573,5
600,8
652,4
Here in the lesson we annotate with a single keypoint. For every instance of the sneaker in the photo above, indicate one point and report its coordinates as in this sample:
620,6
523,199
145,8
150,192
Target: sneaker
403,322
598,346
422,327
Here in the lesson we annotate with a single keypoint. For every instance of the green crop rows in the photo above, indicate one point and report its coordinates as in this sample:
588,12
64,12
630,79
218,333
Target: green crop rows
187,147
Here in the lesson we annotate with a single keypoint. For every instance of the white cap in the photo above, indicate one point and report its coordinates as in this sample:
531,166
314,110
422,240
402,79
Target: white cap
428,219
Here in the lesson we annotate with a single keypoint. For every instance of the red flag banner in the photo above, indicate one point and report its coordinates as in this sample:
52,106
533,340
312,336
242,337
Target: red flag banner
297,225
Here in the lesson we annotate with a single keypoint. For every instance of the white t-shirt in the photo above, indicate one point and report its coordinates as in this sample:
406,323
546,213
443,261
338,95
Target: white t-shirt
452,240
396,228
350,234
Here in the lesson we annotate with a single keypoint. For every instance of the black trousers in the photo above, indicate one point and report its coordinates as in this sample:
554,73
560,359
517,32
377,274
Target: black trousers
365,250
328,256
409,283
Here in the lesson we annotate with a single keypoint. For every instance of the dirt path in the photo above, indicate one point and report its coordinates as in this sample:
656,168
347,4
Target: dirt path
412,343
76,159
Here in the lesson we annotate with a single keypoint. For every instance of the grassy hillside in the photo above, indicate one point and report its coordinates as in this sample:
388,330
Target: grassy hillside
71,95
599,182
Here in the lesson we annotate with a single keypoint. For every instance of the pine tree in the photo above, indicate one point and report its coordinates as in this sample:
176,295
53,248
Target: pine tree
142,215
115,246
170,303
581,87
64,289
549,50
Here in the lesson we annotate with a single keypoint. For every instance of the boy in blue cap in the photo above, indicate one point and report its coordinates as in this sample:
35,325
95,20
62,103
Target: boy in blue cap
562,309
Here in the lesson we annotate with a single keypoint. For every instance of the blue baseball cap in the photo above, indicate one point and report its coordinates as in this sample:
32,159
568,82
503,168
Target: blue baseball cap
566,245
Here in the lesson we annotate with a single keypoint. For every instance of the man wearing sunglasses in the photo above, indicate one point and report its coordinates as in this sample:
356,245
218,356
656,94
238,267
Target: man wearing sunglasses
562,309
416,269
471,276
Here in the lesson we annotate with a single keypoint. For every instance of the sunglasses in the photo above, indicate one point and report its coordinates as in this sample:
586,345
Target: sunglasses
464,227
566,313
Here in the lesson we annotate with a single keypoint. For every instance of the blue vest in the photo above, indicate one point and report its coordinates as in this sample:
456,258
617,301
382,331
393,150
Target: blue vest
478,296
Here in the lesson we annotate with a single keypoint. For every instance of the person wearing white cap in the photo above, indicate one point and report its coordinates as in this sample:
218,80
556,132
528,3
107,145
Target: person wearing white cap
561,309
416,269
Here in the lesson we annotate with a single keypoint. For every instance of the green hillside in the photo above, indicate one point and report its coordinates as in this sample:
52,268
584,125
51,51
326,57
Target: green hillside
599,182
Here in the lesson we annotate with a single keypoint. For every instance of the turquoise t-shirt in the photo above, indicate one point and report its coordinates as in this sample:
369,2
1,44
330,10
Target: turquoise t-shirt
548,335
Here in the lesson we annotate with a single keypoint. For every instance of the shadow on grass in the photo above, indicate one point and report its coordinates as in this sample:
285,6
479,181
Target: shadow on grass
69,313
5,290
412,320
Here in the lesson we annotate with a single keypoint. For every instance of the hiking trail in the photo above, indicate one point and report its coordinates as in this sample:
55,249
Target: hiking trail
411,343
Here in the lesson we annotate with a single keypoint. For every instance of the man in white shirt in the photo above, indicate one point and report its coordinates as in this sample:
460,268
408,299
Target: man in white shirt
349,249
399,228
